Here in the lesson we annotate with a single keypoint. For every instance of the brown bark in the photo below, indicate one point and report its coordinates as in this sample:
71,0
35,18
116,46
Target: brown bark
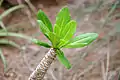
40,71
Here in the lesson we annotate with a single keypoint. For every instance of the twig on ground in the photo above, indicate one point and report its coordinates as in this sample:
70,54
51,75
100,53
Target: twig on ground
32,21
31,6
25,60
27,11
109,13
74,76
103,70
108,62
52,74
61,73
88,69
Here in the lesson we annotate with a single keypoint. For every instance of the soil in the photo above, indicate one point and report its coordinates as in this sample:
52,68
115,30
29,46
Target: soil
86,62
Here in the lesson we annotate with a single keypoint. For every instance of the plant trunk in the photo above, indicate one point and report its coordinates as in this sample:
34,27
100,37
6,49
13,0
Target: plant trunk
40,71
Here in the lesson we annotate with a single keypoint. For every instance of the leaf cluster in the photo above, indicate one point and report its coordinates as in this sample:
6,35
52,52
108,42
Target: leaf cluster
61,34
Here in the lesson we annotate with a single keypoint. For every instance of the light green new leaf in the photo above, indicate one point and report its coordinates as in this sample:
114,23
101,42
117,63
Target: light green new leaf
54,39
56,29
81,40
43,17
63,59
69,30
62,43
62,18
67,33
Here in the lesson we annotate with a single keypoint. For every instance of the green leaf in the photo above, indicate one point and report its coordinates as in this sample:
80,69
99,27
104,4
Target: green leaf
40,43
62,43
63,59
56,29
42,16
54,39
81,40
3,60
62,18
68,32
44,29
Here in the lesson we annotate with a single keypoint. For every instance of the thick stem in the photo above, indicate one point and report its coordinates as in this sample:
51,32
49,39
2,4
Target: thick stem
40,71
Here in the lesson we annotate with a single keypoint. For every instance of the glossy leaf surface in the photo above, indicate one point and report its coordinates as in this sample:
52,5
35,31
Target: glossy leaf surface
67,33
63,59
56,29
44,29
43,17
62,18
69,30
81,40
54,39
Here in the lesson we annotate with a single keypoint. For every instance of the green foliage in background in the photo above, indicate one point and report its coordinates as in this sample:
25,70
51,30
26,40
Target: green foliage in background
61,35
3,60
4,33
5,41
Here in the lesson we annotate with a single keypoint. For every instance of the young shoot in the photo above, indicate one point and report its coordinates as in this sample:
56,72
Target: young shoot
61,33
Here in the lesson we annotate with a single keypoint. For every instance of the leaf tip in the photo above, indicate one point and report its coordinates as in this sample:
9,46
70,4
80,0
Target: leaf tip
69,67
95,35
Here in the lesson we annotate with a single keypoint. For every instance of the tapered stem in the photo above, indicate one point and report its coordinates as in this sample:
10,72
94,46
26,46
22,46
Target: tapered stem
40,71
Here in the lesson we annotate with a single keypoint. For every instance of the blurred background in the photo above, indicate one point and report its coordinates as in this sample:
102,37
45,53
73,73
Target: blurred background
98,61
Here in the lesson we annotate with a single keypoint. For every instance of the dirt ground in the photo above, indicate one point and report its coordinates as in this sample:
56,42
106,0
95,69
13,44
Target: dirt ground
87,63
